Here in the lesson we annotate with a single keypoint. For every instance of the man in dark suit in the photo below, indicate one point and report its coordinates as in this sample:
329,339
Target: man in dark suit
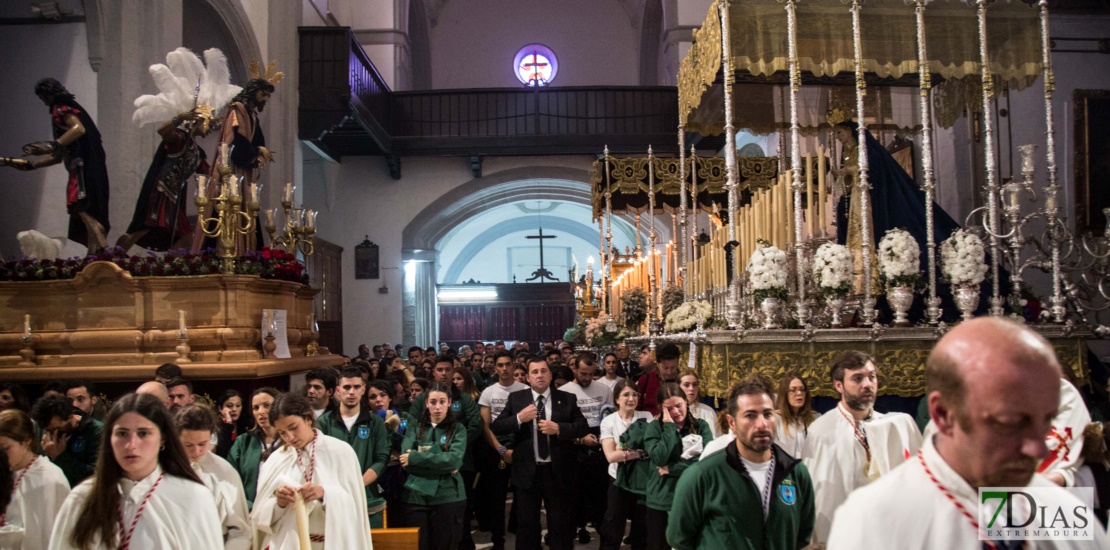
627,367
546,422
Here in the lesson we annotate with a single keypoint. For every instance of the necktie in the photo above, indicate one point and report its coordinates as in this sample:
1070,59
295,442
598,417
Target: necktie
542,443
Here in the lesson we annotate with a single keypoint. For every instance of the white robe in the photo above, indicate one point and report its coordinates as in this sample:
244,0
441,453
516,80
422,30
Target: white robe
907,511
837,461
177,517
794,440
1064,441
341,518
706,413
34,507
231,502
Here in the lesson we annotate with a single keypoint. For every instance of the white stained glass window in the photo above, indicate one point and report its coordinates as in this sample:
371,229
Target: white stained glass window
535,65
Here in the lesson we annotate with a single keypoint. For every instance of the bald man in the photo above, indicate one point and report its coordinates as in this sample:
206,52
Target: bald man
157,389
993,391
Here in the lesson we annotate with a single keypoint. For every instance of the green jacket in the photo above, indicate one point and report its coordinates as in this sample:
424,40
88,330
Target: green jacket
436,469
663,444
633,476
368,438
717,505
78,460
466,413
246,457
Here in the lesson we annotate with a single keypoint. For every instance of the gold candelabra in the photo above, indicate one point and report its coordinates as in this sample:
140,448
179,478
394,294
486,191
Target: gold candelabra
299,228
230,221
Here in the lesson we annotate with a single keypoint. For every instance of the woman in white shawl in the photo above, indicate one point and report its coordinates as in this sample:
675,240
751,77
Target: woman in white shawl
323,471
40,487
144,494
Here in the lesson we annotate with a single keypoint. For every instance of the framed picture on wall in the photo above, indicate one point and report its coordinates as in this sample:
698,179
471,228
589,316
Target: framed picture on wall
366,260
1092,159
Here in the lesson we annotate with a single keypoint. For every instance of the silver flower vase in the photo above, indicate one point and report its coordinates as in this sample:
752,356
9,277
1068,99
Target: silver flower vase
901,300
770,308
836,305
967,300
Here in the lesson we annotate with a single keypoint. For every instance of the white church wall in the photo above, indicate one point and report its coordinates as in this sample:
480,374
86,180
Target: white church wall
473,43
258,12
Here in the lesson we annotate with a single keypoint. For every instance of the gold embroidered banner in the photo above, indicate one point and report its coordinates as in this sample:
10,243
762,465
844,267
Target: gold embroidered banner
758,43
629,181
901,363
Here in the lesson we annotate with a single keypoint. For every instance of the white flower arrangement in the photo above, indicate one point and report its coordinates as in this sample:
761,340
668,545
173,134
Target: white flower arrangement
963,258
899,258
685,316
597,331
767,271
832,269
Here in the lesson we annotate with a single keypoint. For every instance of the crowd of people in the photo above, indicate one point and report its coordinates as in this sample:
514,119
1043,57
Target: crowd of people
625,446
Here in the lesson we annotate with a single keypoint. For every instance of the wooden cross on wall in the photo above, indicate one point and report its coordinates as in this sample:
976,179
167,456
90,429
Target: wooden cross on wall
541,273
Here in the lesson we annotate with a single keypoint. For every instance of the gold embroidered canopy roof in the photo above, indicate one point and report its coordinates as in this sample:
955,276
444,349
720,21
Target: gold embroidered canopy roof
629,181
758,45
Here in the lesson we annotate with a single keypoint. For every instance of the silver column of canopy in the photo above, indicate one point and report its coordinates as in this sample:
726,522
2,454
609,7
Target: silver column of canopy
652,259
796,159
1051,211
932,303
732,299
993,222
864,185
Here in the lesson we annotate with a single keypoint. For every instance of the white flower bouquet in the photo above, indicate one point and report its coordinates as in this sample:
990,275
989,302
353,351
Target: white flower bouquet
767,272
832,269
685,316
899,258
963,258
598,333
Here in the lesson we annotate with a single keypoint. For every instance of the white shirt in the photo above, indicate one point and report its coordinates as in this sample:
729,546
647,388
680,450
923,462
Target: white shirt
34,507
318,412
536,435
838,463
341,519
171,520
719,443
706,413
496,397
590,400
611,383
231,501
758,472
613,427
791,440
906,510
349,421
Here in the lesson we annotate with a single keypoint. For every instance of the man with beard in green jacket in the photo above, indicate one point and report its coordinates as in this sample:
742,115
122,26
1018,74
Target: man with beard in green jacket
752,496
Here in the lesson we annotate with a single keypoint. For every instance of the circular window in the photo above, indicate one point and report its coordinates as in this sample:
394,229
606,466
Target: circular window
535,65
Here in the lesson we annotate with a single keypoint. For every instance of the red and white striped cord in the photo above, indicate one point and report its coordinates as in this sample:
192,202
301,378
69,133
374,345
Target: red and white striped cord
955,502
125,537
311,461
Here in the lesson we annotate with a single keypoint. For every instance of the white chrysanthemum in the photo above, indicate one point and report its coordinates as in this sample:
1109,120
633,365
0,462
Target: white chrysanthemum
963,258
899,256
832,267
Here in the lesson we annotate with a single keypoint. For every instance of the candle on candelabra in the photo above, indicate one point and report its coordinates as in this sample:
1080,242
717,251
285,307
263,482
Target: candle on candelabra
233,186
811,206
254,192
590,267
310,219
181,320
27,324
202,187
270,216
820,213
266,321
225,155
288,196
658,270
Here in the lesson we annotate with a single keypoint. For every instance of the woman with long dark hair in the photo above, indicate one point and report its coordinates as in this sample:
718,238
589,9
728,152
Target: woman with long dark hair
671,450
144,493
690,383
40,487
254,447
793,414
13,396
433,453
464,381
233,421
309,469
